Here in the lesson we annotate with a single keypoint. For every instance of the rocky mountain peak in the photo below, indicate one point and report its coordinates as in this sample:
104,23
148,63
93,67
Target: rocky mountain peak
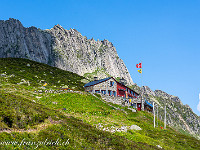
58,47
10,26
165,95
12,21
107,43
58,27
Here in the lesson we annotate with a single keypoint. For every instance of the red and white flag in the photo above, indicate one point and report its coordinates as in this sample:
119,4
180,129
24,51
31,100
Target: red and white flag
139,65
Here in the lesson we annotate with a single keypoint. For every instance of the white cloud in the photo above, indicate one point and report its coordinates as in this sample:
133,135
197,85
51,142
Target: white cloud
198,106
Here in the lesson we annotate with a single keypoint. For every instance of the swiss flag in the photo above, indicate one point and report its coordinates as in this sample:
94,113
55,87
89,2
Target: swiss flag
139,65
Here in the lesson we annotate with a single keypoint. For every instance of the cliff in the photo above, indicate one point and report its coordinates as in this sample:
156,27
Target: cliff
179,116
65,49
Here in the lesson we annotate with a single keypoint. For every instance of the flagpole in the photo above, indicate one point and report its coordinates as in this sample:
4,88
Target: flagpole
141,89
141,93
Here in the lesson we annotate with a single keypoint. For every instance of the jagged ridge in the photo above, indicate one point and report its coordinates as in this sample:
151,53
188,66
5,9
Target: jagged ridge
179,116
58,47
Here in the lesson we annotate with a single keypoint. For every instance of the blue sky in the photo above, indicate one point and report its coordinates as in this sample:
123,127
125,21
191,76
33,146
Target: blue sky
164,35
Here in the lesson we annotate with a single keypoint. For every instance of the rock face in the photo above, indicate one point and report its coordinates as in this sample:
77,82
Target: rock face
179,116
146,90
58,47
17,41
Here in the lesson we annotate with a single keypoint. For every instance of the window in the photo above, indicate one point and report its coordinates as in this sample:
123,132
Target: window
109,92
111,83
97,91
114,93
103,91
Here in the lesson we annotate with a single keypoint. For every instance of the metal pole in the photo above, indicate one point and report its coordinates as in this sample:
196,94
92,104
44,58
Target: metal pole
165,118
157,115
153,114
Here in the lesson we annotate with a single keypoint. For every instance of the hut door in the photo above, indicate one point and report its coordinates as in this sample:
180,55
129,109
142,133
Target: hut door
139,107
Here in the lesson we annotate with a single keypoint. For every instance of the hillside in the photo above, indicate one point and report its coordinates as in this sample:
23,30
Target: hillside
61,48
25,72
81,120
179,116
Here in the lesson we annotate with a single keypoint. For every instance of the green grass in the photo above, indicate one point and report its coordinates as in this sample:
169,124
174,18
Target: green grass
74,115
96,73
22,113
17,69
78,134
93,111
19,113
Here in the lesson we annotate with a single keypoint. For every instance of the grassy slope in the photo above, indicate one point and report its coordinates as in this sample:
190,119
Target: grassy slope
97,73
78,114
81,135
93,111
18,69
